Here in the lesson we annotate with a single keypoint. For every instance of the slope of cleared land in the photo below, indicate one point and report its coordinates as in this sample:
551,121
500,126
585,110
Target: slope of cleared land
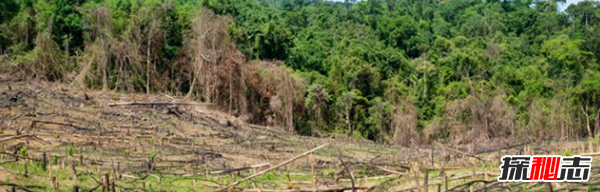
55,138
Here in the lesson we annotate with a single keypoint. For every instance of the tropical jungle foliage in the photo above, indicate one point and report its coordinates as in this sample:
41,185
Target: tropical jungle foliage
394,71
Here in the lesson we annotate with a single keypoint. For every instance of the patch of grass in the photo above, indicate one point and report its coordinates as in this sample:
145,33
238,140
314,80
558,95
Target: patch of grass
70,150
126,152
152,155
567,153
54,160
23,151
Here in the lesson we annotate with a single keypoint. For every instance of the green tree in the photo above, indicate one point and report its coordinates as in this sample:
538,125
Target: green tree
67,26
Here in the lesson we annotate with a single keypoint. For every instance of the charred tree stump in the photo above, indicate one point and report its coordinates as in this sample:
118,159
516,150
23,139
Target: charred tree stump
44,161
106,183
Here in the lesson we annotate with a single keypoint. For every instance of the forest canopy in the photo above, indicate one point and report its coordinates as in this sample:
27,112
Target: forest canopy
393,71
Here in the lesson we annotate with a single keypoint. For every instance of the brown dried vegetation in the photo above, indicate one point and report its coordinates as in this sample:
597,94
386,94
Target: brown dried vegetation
470,119
260,91
404,124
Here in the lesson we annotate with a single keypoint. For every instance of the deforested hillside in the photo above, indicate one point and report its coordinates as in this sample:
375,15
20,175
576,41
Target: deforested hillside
53,138
299,95
396,72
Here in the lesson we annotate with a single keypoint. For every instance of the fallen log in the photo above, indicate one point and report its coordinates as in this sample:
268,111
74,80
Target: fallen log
438,182
154,103
21,187
310,189
17,156
240,169
129,176
33,123
272,168
375,165
388,170
347,171
468,184
21,136
460,152
591,154
505,147
444,168
473,174
372,178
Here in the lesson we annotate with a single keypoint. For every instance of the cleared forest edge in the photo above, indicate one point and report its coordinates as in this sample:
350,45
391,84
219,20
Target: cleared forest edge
272,70
54,137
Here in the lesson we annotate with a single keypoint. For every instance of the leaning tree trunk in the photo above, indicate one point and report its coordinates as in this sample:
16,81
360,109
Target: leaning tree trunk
587,119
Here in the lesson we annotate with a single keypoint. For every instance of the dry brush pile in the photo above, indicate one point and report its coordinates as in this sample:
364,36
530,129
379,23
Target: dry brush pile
208,67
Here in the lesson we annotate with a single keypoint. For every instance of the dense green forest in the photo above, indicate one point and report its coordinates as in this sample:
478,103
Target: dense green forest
393,71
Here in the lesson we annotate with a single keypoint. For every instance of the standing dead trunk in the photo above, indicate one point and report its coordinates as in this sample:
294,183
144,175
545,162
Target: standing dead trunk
587,119
562,129
562,123
230,92
150,35
104,69
194,72
597,126
149,43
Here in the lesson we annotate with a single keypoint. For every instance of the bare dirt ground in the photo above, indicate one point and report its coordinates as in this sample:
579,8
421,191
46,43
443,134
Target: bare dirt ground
53,137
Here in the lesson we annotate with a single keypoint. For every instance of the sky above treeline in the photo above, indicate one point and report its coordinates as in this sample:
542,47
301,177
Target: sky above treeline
569,2
562,6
